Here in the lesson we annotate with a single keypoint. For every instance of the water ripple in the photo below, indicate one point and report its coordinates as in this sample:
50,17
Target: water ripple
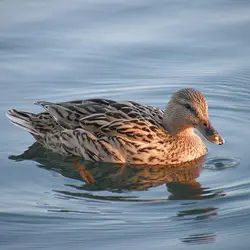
219,163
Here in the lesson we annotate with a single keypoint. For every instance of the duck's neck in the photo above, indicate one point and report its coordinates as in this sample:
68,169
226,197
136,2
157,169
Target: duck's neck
189,145
176,128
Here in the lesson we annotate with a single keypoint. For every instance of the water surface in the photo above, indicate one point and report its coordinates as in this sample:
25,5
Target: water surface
141,51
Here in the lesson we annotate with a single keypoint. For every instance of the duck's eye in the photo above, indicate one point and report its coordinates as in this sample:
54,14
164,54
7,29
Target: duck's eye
187,106
205,124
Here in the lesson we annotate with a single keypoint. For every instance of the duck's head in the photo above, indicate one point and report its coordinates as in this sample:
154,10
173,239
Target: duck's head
188,109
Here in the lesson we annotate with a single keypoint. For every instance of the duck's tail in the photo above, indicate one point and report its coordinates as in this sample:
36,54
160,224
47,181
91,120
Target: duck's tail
23,120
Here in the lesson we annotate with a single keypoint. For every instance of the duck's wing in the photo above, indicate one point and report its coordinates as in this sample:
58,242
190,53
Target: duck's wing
99,112
140,111
98,131
137,130
116,141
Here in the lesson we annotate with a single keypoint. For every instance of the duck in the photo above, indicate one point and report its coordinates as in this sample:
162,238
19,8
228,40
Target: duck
126,132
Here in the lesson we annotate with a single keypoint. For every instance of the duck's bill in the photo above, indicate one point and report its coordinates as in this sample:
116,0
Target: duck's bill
211,134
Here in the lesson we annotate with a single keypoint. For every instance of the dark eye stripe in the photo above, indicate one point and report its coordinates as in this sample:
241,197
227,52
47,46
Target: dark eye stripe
189,107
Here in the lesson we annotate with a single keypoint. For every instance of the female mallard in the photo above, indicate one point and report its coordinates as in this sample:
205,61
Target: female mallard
123,132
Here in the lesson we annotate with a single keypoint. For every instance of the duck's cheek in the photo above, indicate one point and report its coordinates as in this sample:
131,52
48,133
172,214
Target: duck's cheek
195,123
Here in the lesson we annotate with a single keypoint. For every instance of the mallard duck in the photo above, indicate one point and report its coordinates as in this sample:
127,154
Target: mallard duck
123,132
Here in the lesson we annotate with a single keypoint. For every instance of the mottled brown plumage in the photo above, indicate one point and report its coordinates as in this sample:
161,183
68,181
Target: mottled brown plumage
123,132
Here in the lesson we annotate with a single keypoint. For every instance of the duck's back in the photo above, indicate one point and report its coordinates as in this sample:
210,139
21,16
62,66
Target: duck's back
97,129
93,112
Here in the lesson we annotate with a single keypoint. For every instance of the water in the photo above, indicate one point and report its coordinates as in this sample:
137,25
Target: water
137,50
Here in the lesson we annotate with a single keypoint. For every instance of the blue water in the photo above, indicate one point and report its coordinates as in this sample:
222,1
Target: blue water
125,50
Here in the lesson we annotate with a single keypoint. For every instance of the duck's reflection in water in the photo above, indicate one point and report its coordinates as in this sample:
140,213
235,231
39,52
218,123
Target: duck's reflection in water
180,179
